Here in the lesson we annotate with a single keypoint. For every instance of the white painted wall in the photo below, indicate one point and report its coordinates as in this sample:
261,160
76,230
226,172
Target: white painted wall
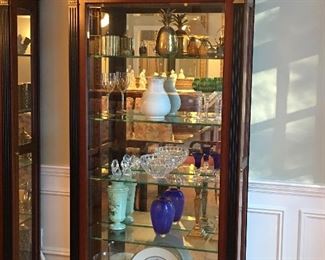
286,216
288,119
54,82
54,70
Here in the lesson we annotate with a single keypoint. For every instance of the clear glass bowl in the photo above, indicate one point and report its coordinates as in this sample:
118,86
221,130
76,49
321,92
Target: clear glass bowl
156,165
176,154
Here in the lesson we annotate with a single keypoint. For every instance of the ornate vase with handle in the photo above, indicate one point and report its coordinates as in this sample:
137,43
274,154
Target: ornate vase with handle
155,101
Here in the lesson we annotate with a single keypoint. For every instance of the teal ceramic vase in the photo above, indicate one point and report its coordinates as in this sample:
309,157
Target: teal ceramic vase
131,185
117,196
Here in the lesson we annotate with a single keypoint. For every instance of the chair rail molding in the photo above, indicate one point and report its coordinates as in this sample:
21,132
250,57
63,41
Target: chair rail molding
287,188
285,221
55,180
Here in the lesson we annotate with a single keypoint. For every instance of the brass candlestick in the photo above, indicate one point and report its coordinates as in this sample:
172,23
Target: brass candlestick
197,230
216,224
208,227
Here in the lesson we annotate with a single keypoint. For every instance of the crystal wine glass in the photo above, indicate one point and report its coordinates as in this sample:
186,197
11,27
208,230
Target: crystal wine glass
110,86
123,83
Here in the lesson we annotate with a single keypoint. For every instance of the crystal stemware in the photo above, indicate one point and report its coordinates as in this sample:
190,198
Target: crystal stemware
110,86
123,84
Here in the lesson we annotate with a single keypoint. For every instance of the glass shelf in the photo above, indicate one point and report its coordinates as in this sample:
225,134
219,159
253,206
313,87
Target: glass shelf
24,217
155,57
24,162
25,110
142,235
175,141
142,219
179,119
24,55
179,178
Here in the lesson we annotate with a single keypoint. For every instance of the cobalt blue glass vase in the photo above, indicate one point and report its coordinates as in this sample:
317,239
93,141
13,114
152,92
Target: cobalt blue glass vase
162,214
176,196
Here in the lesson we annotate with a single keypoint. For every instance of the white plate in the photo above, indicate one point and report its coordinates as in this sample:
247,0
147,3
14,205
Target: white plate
155,253
121,256
108,256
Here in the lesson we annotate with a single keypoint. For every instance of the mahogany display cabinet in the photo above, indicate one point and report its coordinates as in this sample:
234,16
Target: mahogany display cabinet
19,114
159,103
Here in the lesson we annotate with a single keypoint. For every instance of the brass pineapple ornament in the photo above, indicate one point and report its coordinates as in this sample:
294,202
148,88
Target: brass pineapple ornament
179,21
167,16
166,42
182,38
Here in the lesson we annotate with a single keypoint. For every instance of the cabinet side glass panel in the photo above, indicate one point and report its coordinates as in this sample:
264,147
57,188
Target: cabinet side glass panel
24,114
134,157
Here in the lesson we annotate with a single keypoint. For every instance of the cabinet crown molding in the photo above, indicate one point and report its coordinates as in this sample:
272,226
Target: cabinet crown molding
72,2
4,2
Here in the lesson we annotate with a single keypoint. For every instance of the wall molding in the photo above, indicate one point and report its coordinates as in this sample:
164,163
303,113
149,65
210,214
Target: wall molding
55,170
287,189
55,180
279,214
56,251
304,214
63,172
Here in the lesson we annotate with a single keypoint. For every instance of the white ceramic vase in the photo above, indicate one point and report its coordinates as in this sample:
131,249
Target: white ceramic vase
155,101
117,195
174,99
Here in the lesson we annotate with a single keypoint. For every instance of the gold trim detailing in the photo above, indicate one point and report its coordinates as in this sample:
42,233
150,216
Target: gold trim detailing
239,2
4,2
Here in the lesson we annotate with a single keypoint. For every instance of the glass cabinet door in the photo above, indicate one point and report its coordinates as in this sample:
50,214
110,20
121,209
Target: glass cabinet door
25,134
25,140
156,94
20,129
154,124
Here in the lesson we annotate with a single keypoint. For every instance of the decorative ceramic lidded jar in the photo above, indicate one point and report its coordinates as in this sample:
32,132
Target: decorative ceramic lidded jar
155,101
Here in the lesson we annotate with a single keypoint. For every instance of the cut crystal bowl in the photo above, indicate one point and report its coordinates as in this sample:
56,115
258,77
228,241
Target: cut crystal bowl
176,154
156,165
